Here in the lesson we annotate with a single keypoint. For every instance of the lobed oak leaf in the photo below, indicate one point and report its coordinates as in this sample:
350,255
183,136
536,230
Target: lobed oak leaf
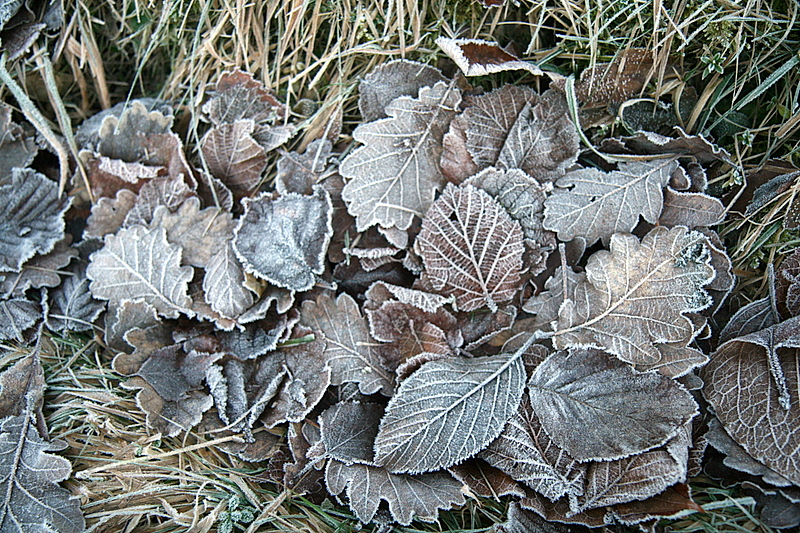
409,497
123,318
636,295
139,263
122,138
285,240
471,248
234,157
31,218
392,80
753,384
467,403
598,408
593,204
109,214
238,96
476,57
39,271
394,175
349,349
526,453
223,284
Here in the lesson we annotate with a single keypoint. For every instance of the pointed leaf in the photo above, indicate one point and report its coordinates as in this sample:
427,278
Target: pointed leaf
448,411
690,209
409,497
476,57
594,204
223,284
233,156
72,305
394,176
598,409
348,431
471,248
138,263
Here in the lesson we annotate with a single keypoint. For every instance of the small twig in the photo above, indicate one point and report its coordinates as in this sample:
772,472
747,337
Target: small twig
38,121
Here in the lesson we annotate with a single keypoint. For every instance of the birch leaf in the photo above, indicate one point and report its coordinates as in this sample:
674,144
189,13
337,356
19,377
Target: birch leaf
593,204
138,263
471,248
394,175
447,411
409,497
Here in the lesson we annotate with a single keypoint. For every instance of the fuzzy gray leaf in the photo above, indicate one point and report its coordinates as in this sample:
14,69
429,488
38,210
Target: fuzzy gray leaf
31,218
223,284
594,204
394,175
72,305
598,409
284,241
17,315
409,497
138,263
348,431
449,410
392,80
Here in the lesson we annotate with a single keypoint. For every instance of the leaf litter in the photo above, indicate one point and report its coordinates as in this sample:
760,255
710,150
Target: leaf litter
407,313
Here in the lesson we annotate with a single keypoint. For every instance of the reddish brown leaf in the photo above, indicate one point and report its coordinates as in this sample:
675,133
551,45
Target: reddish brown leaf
234,157
476,57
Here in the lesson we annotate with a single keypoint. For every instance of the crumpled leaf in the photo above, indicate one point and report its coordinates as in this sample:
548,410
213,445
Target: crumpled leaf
476,57
394,175
350,351
409,497
300,172
526,452
234,157
348,431
39,271
597,408
139,263
223,284
471,248
593,204
695,147
32,218
635,295
239,96
285,240
199,232
17,315
485,480
391,80
753,384
467,403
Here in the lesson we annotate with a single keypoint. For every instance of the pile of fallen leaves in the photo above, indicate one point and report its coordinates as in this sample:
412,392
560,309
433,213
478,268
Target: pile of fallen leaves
458,305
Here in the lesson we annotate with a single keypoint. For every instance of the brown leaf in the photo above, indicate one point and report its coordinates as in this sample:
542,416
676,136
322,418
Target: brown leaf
123,137
690,209
18,314
348,431
22,387
394,175
240,97
560,511
127,172
108,214
40,271
391,80
476,57
696,147
164,192
471,248
409,497
753,384
677,360
521,520
599,409
787,285
350,351
234,157
457,163
526,453
485,480
674,500
608,84
300,172
223,284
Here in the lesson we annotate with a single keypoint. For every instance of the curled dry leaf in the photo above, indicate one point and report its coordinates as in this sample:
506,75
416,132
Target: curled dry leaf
635,295
467,403
471,248
598,408
139,263
409,497
31,218
394,175
350,351
753,384
593,204
476,57
123,137
392,80
166,192
300,172
284,240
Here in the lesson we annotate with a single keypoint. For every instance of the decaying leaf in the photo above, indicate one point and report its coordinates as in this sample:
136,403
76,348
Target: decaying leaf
392,80
71,304
691,209
635,295
787,285
108,214
597,408
16,149
476,57
350,351
348,431
609,84
526,452
409,497
593,204
166,192
300,172
234,157
471,248
285,240
138,263
753,384
123,137
31,218
467,403
485,480
394,175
